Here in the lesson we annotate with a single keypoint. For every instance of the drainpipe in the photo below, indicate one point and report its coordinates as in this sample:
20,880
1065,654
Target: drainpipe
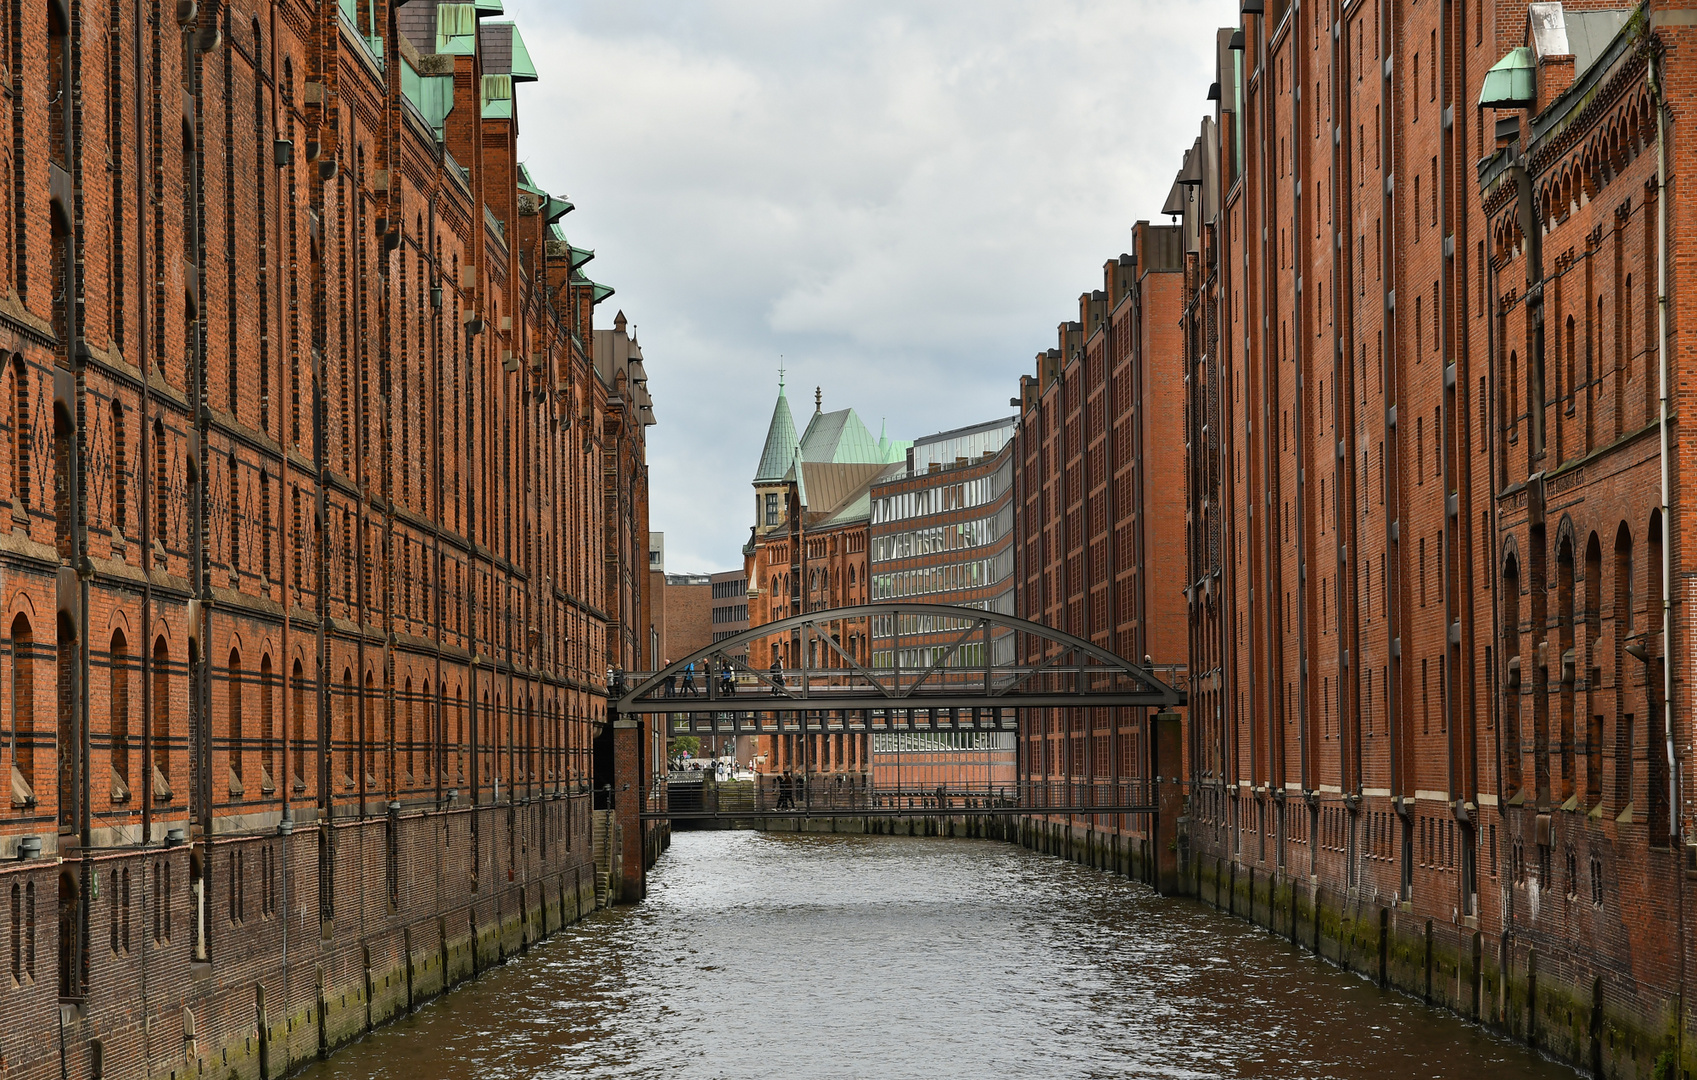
1676,832
1674,809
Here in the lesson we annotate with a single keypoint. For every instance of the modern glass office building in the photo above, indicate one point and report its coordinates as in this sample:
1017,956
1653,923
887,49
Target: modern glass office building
942,533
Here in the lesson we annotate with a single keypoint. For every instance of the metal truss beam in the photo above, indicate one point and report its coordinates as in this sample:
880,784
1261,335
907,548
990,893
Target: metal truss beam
1073,673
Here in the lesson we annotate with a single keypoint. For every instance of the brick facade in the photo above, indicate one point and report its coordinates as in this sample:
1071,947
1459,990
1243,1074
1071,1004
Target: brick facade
683,614
326,518
1424,561
1100,518
798,569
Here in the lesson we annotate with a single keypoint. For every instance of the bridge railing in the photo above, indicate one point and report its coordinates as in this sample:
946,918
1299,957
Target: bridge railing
825,795
747,688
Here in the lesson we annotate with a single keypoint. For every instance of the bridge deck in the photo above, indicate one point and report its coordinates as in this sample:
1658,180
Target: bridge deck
780,797
891,812
853,721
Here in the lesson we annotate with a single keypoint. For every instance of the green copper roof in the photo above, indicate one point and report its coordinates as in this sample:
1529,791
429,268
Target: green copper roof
432,95
782,446
839,437
600,293
488,7
1510,82
523,69
581,256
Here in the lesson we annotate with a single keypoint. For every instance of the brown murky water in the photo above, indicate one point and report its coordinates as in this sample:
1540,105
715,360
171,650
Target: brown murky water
880,957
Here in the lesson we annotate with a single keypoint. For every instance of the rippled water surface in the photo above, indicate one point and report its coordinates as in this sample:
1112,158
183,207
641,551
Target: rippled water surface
762,955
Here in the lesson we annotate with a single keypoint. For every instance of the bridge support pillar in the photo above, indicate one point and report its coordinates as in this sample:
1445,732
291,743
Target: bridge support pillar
630,785
1166,741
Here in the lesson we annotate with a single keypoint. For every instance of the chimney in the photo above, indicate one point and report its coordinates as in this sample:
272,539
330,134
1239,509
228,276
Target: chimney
1555,75
1547,27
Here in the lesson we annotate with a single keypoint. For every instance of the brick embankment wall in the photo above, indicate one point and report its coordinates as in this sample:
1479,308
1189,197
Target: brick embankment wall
1511,986
409,918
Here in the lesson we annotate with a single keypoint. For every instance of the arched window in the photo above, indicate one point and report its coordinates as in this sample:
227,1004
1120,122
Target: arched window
23,706
267,733
297,709
70,937
162,734
237,736
119,704
348,741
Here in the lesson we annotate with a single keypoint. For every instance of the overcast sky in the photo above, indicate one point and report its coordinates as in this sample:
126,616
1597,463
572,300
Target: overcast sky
901,198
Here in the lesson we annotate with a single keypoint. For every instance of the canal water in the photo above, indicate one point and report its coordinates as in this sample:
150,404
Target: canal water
769,955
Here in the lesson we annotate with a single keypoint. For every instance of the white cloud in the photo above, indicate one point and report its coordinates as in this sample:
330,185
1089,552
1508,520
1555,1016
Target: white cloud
903,199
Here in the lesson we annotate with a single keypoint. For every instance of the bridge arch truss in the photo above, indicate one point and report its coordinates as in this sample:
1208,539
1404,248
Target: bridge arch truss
979,667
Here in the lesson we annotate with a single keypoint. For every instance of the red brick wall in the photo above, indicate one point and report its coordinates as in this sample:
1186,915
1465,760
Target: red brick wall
688,622
440,539
1100,517
832,549
1398,532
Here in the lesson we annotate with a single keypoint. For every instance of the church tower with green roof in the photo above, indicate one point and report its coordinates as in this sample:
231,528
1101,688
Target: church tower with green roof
776,459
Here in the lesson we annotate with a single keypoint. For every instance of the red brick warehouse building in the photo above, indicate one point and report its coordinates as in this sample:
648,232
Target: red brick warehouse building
1432,572
327,511
807,551
1099,520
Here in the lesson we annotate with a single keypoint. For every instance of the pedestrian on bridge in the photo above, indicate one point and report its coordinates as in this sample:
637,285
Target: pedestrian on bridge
777,676
689,679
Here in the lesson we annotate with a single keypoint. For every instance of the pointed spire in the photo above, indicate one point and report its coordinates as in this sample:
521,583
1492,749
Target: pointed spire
782,446
818,399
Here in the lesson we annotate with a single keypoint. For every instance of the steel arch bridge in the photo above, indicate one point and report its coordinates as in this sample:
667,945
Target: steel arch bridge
949,669
975,661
